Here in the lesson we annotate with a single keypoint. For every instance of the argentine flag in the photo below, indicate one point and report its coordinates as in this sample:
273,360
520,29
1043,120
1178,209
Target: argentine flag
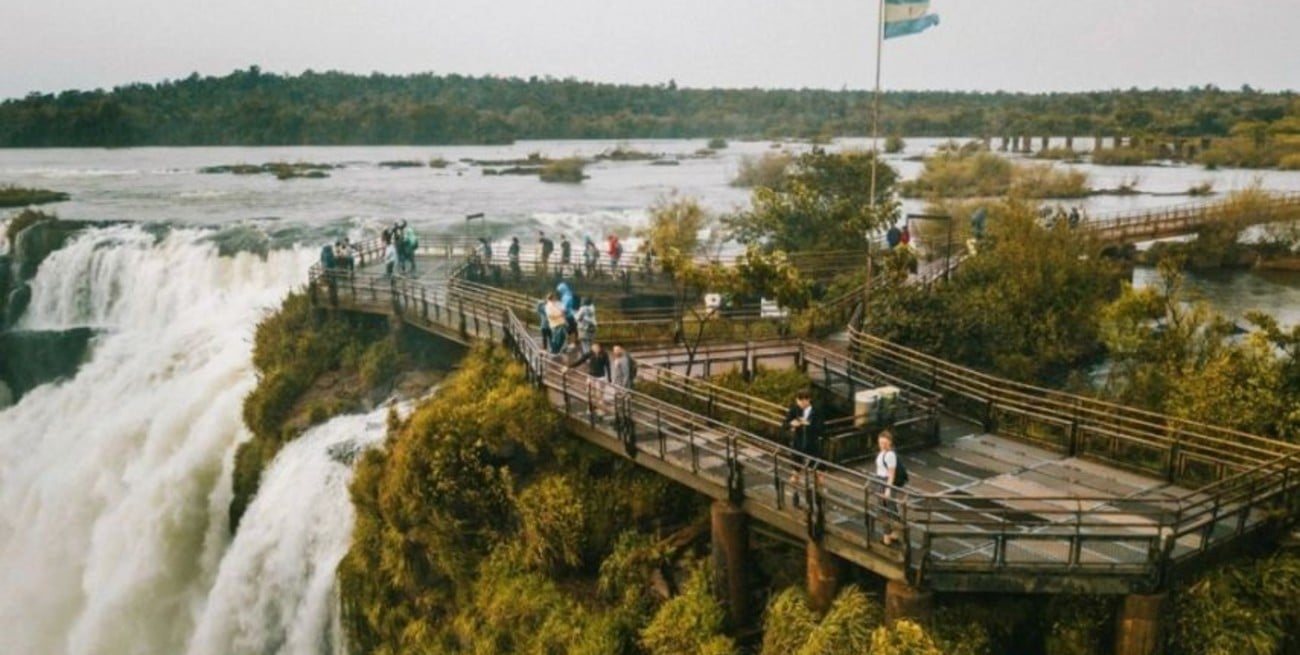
903,17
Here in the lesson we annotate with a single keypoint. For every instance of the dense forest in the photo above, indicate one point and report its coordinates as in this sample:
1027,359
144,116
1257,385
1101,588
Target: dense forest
250,107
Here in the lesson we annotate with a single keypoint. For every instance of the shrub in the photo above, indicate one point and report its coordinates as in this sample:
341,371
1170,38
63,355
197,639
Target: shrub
894,144
24,220
568,170
13,196
692,622
1059,154
1202,189
1290,162
717,143
768,171
1120,157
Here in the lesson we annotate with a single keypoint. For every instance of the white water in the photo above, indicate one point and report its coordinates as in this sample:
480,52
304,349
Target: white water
275,589
114,485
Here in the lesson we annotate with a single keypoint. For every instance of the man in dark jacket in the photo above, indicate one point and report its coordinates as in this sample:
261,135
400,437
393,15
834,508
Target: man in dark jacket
805,424
598,389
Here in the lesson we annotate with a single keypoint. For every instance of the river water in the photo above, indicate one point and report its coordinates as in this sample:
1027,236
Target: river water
114,484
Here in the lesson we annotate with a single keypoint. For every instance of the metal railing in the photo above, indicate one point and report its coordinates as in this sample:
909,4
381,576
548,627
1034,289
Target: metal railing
1233,480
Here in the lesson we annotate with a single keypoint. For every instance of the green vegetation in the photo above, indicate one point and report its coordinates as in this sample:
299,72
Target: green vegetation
251,107
1173,354
894,144
1201,189
982,174
23,220
567,170
1121,157
13,196
1024,307
717,143
1068,155
281,170
768,170
624,152
310,367
1246,607
825,204
481,528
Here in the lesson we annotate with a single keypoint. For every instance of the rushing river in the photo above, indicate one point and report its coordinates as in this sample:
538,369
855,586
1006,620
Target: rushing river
114,484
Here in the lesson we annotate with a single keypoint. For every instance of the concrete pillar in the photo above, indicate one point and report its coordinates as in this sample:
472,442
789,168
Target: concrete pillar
1118,141
1096,142
1069,143
824,572
1137,632
1206,143
1006,143
731,561
903,601
1046,141
1026,143
988,142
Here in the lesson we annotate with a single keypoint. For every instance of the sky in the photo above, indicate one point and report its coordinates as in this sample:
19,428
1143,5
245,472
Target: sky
986,45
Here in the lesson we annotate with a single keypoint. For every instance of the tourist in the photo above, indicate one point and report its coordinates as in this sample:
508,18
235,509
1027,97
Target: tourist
887,470
411,243
327,259
557,321
893,237
570,303
586,319
647,259
597,361
343,256
615,251
548,247
590,257
390,257
512,255
623,369
566,252
546,325
905,238
485,250
805,425
1074,217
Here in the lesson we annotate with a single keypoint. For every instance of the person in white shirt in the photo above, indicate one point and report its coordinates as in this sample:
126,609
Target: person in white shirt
390,258
886,470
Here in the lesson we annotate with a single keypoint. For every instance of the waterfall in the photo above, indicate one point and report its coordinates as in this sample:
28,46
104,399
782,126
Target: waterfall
115,483
275,590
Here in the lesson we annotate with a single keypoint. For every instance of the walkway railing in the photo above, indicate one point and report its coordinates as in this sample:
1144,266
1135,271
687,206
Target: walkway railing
1233,479
1142,225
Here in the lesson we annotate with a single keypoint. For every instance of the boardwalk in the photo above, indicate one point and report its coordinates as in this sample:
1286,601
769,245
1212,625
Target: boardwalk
1013,488
1183,220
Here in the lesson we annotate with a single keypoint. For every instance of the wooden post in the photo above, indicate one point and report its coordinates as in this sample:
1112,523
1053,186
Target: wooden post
731,561
1137,632
903,601
824,570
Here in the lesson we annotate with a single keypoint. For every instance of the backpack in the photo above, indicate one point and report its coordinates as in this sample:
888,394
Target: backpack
900,474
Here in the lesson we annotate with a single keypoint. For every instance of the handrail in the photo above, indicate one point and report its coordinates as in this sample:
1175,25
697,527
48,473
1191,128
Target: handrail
1247,476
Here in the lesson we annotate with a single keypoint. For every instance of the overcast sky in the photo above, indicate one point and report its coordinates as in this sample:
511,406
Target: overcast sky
1019,45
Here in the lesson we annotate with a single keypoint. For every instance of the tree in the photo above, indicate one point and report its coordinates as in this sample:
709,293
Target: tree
826,205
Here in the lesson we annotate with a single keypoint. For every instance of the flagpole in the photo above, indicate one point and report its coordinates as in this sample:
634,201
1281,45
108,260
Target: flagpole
875,110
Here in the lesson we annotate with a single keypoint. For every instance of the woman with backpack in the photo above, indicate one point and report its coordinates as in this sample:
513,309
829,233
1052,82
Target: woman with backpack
892,476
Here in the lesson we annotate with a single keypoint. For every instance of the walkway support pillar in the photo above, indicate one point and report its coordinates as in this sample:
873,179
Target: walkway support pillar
904,601
825,571
1138,630
730,536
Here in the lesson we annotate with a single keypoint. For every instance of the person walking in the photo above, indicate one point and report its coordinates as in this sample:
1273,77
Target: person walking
512,255
887,470
622,369
566,252
590,257
555,319
548,247
615,250
390,257
411,243
805,425
598,368
586,319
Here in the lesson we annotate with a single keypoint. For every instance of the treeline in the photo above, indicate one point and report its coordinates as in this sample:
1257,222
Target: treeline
250,107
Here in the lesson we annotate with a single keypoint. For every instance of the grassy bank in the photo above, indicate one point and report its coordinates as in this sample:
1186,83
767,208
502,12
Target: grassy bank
14,196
